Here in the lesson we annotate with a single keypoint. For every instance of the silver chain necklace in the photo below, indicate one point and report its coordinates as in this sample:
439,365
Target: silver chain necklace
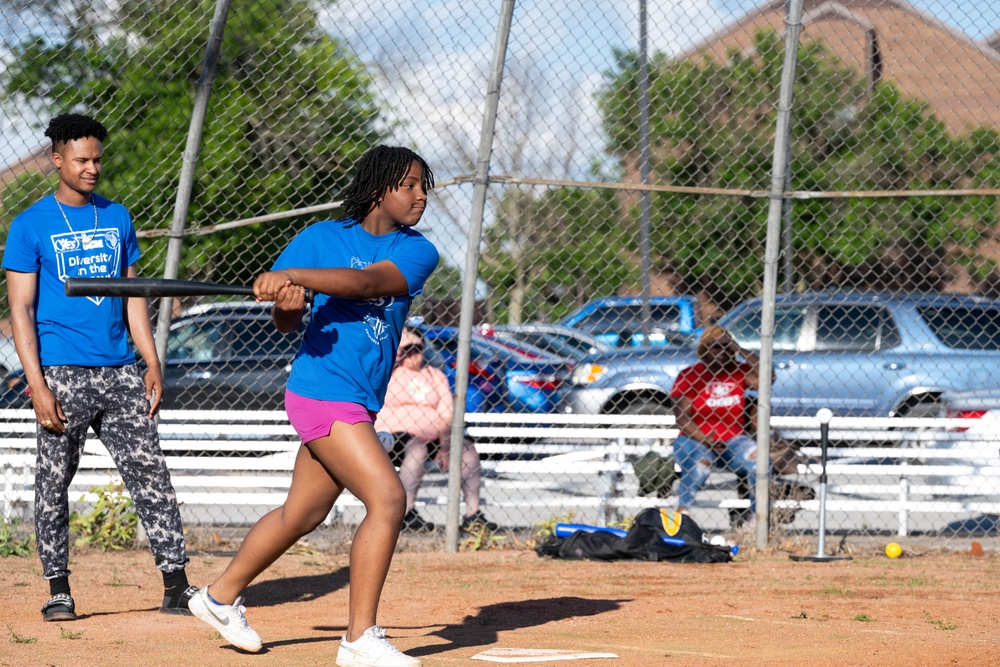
83,235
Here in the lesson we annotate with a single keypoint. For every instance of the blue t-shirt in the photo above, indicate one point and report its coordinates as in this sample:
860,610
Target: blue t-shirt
349,347
75,331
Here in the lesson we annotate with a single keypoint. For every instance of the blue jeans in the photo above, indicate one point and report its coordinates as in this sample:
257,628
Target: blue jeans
697,460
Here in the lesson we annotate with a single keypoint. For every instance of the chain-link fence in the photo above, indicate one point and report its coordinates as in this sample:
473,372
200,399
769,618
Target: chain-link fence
633,156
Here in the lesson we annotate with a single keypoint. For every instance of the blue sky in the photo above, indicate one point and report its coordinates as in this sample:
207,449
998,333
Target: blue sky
436,55
562,46
566,40
559,48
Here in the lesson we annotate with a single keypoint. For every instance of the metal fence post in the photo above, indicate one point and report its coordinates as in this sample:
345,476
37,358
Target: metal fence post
190,161
472,271
771,253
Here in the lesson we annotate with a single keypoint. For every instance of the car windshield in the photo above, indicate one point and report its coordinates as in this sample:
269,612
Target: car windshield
562,346
227,338
964,328
616,318
507,353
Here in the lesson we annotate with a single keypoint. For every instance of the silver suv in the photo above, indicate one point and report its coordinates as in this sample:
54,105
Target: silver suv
859,354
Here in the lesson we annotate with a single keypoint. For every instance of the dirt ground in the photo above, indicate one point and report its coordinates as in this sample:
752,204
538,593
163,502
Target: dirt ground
928,607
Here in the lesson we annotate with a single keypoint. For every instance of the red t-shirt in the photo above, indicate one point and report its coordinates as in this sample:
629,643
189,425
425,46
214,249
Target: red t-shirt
717,401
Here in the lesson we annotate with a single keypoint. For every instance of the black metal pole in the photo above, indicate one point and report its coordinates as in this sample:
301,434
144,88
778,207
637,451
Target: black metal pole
824,415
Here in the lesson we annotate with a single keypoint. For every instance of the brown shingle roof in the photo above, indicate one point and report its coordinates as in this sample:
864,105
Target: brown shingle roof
37,160
993,41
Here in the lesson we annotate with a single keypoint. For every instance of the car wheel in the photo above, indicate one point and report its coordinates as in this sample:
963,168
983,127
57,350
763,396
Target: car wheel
646,406
925,408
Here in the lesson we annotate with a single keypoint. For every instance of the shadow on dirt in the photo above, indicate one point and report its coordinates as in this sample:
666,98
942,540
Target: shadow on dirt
296,589
483,628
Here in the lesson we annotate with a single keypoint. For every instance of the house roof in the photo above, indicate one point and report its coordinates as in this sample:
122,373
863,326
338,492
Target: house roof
993,41
925,58
36,160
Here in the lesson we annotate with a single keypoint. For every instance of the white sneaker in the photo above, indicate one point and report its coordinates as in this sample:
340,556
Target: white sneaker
372,649
229,619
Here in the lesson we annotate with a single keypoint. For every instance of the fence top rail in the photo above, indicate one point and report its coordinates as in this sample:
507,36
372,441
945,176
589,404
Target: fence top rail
275,421
842,423
183,416
526,419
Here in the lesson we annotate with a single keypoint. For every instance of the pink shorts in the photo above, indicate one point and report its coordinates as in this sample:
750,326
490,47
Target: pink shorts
312,418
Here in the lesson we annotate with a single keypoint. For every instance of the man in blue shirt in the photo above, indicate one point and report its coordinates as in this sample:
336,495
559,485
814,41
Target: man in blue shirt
78,363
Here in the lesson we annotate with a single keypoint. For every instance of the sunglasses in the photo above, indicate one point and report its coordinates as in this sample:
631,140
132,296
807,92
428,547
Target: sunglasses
407,350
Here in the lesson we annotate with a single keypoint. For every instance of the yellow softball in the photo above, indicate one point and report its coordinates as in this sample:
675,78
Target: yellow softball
893,550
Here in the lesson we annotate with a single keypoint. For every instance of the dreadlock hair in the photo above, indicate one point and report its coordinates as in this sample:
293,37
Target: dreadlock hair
71,126
380,170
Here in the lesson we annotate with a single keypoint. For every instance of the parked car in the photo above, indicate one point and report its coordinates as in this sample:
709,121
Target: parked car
487,390
219,356
858,354
533,380
555,339
227,356
618,320
975,449
230,356
9,361
14,393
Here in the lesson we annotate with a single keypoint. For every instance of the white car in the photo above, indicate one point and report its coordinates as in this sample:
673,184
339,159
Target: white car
973,452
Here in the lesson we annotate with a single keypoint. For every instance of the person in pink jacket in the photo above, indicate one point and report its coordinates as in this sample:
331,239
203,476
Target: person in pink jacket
418,412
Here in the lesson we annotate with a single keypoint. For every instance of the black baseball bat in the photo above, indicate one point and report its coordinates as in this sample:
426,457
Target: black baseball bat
155,287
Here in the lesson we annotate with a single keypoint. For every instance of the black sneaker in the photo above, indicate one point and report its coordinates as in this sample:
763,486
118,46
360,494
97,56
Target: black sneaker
414,523
60,607
478,519
174,603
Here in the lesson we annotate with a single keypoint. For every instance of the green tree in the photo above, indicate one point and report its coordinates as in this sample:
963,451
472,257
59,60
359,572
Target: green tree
712,125
547,253
291,110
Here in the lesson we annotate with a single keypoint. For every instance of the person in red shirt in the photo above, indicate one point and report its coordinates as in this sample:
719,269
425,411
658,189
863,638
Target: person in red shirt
709,405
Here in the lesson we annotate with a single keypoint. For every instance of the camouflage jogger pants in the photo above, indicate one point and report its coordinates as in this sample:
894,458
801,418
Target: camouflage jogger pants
113,401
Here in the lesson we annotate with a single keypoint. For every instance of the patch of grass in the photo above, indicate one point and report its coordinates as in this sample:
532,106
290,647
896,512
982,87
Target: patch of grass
302,548
116,580
864,618
921,582
10,544
69,634
480,538
939,623
801,614
18,639
833,590
625,524
546,529
111,525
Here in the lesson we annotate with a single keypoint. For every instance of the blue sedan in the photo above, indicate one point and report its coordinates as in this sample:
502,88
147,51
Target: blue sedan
532,380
